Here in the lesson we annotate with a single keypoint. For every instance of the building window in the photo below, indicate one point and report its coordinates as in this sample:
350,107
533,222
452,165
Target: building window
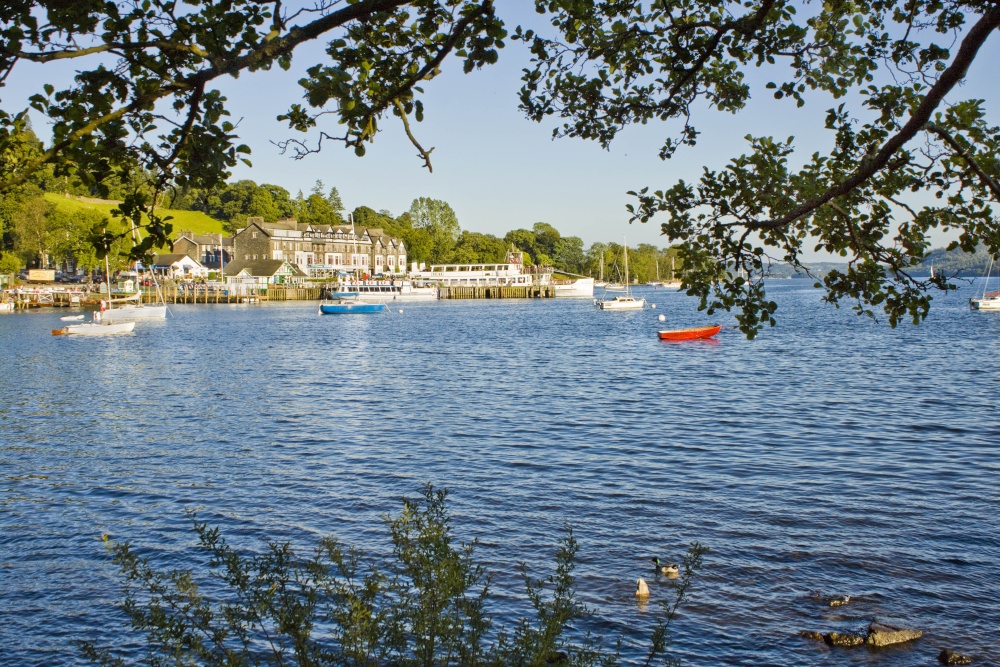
253,235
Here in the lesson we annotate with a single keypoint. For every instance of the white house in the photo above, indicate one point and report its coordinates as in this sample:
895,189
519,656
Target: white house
178,266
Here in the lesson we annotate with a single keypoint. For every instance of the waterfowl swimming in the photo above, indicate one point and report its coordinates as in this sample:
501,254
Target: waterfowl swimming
669,569
641,589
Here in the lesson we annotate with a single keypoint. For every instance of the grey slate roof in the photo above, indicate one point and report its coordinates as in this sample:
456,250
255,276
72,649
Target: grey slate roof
168,259
260,267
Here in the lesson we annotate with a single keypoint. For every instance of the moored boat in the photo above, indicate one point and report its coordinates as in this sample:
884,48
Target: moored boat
509,274
694,333
95,329
988,301
580,287
622,301
349,306
393,290
135,310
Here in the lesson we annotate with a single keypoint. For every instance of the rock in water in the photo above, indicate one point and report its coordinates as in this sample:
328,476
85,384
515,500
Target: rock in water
813,635
847,641
840,600
880,634
949,657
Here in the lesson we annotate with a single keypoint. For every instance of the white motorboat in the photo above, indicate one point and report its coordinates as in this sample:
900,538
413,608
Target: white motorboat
387,290
95,329
581,287
622,302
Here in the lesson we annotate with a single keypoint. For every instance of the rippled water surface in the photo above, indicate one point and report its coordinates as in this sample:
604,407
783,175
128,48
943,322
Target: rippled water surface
831,455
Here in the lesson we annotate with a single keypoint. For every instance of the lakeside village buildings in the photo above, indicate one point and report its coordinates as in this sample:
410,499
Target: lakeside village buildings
284,252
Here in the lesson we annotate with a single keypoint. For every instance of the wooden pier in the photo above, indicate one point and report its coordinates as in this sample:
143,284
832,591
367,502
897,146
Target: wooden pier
498,292
174,294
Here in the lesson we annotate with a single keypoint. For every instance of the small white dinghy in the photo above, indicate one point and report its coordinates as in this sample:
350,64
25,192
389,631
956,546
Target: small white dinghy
72,318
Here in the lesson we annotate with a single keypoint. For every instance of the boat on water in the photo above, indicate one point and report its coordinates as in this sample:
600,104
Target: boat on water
348,305
694,333
387,290
657,282
6,306
96,328
72,318
622,301
579,287
986,300
511,273
135,310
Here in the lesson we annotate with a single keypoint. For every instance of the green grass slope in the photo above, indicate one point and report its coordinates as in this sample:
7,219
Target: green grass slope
194,221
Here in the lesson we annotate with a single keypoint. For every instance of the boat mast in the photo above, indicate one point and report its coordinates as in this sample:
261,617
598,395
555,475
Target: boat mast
107,267
625,253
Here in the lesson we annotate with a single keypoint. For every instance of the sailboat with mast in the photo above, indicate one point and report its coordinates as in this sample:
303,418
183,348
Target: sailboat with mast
986,300
600,281
135,308
623,301
101,324
657,282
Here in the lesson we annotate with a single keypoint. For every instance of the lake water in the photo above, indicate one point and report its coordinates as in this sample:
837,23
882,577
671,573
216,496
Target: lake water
832,455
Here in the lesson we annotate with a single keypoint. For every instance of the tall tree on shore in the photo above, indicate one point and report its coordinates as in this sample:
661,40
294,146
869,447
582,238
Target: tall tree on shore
440,222
476,248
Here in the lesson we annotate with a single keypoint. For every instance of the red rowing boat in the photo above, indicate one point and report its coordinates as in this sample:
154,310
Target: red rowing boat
694,333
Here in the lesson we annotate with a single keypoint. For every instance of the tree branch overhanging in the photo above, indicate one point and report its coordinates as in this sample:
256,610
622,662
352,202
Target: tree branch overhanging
990,183
950,77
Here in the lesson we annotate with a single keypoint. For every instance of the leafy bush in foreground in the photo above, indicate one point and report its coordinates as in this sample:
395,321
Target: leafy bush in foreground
427,609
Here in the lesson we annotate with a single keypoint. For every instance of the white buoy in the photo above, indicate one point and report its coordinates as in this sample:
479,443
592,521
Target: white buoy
662,318
400,311
653,306
641,589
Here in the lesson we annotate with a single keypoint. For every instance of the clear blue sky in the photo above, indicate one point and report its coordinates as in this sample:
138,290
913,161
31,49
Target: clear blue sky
496,169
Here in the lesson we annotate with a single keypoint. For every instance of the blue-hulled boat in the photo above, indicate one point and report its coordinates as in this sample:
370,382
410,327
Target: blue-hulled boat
349,306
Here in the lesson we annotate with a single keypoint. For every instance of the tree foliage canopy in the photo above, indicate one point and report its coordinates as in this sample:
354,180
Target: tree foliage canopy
900,138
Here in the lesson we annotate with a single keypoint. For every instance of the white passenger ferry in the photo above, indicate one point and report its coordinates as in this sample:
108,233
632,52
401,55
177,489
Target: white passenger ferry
509,274
476,275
